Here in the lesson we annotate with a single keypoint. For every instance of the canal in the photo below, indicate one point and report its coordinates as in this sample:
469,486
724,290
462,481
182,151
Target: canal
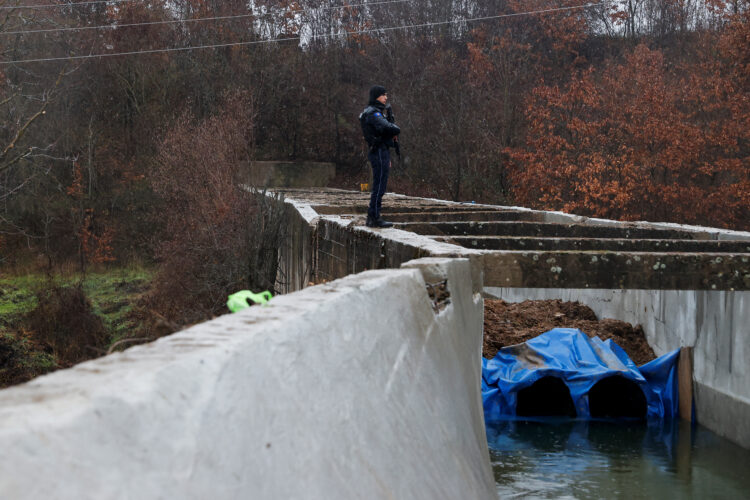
564,458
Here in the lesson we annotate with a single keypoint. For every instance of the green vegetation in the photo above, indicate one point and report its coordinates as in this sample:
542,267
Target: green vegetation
74,307
22,359
112,294
17,298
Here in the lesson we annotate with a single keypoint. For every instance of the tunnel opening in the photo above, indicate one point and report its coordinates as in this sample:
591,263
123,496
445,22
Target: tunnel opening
617,397
547,397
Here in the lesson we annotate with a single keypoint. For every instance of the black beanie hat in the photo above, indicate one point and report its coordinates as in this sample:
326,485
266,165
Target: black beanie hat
376,91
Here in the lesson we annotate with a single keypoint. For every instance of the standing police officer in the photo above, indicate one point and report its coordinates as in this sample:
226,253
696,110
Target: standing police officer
380,135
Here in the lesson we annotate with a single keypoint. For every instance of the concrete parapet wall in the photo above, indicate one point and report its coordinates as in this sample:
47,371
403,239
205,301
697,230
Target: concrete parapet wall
353,389
714,323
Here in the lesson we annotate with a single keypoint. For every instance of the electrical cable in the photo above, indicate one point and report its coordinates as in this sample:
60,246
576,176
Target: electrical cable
316,37
57,5
190,20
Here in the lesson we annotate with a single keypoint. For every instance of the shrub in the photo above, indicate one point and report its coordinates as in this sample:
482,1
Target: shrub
64,322
219,236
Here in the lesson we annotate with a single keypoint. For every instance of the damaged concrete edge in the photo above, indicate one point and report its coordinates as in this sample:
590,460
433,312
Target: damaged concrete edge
434,270
468,310
424,245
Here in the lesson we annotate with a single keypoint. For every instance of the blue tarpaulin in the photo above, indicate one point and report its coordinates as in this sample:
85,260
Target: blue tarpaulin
580,362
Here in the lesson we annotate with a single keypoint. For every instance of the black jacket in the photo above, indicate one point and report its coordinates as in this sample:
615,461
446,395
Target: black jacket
378,131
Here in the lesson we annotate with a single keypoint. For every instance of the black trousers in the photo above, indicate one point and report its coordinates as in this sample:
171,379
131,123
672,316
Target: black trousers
381,165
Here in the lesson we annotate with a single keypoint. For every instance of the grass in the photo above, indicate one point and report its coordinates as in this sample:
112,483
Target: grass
16,299
25,353
112,294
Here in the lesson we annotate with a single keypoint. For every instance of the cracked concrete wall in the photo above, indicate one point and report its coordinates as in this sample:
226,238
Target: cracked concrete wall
352,389
715,323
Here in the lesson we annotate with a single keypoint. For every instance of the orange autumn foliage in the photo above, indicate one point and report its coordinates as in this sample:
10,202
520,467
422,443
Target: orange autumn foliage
643,140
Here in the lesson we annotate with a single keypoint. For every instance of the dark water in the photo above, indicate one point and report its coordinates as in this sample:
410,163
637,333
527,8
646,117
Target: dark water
577,459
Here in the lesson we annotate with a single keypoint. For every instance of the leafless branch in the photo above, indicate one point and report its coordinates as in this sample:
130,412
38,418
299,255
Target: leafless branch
46,98
8,99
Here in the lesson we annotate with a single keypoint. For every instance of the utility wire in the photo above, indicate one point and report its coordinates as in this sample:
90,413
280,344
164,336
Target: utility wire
316,37
55,5
192,20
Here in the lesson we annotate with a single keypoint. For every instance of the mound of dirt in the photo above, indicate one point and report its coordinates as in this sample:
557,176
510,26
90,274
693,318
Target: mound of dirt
508,324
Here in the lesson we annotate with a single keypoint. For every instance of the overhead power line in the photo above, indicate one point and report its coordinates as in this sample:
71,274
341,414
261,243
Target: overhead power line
188,20
59,5
315,37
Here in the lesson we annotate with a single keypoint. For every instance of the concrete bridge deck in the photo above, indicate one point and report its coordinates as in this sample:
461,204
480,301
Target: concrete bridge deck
686,285
527,248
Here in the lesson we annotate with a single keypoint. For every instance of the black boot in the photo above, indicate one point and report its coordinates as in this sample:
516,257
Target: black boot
379,222
383,223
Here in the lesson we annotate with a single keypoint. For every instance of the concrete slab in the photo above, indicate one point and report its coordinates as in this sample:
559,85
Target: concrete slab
589,244
390,206
632,270
503,228
458,215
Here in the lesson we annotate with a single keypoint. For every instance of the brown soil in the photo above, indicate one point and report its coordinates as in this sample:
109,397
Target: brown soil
507,324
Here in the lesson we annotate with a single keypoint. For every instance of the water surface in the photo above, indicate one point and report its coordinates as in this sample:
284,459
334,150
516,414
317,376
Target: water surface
580,459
